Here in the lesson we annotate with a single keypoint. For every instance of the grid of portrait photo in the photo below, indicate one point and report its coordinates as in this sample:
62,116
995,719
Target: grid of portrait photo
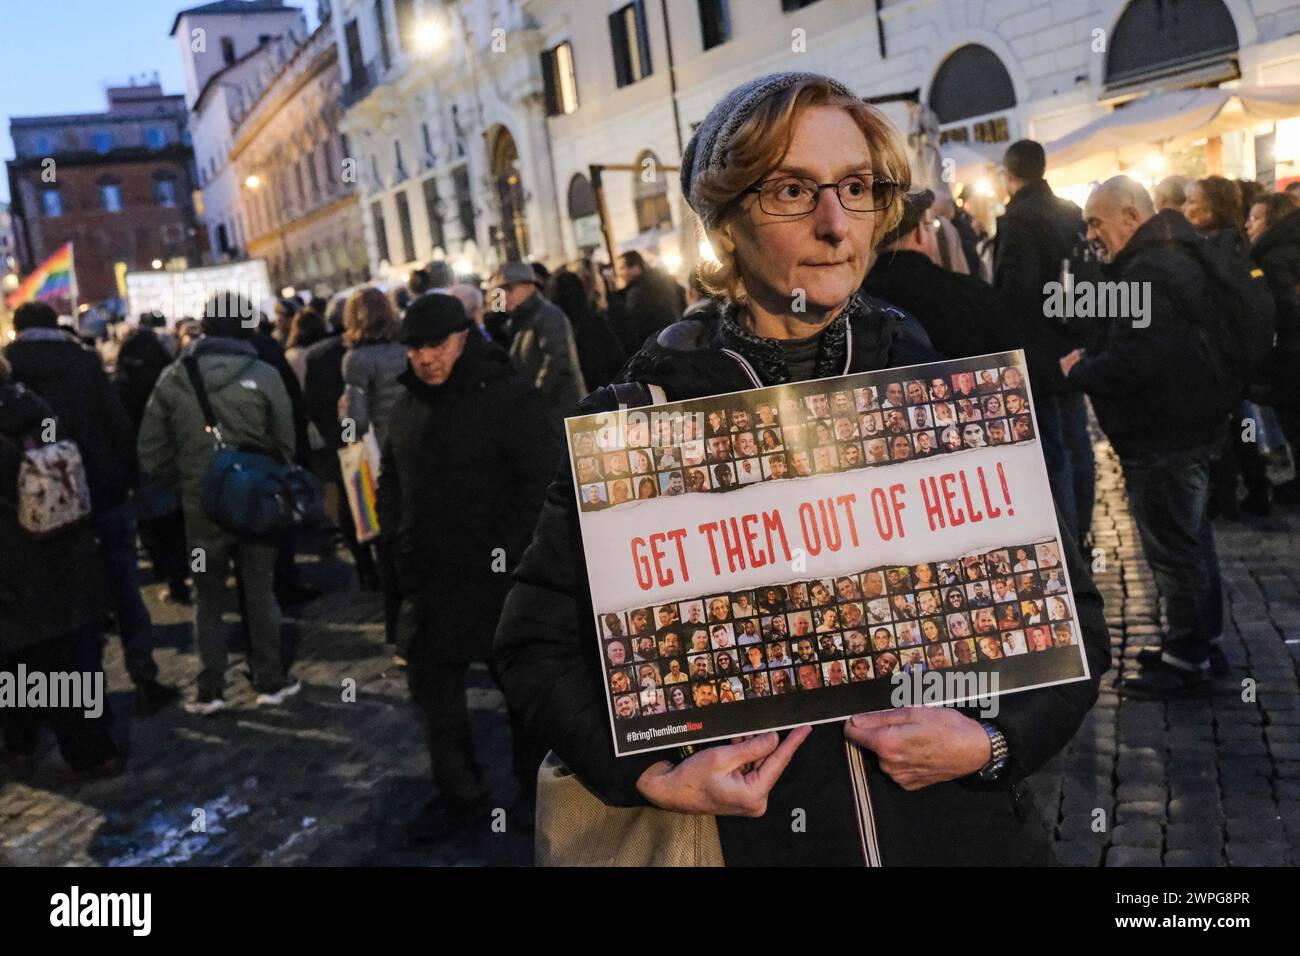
807,635
800,430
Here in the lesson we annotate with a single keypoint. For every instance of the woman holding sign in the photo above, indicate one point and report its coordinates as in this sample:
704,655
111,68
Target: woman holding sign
795,179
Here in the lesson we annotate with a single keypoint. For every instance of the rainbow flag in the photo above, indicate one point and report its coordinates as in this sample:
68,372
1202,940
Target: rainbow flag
52,280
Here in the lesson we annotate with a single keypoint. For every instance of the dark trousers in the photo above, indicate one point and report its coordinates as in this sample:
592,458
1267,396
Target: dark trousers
438,690
1059,475
116,530
1073,409
387,569
1169,496
1240,458
85,742
164,539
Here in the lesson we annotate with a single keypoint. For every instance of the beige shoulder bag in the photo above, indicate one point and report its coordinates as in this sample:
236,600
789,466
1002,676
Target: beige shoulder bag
577,828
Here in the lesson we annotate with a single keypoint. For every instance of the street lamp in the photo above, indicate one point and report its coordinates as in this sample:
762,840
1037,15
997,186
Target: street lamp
253,181
430,36
157,264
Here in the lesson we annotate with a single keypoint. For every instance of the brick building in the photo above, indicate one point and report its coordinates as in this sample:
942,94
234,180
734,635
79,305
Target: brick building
118,185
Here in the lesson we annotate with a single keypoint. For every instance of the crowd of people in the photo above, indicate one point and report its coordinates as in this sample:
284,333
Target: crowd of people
465,384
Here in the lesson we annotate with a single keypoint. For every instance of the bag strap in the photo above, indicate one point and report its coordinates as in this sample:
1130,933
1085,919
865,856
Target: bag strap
636,394
205,405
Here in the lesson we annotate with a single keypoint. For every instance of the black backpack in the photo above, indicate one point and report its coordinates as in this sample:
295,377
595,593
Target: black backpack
1245,329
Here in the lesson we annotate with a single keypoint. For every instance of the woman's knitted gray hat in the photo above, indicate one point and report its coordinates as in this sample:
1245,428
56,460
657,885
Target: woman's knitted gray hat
707,149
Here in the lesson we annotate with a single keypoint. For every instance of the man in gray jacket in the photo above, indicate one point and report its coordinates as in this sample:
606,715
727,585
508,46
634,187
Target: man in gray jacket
252,407
541,341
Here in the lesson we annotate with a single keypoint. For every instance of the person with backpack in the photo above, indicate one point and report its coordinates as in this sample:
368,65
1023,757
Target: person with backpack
43,621
1037,237
1163,387
251,406
71,378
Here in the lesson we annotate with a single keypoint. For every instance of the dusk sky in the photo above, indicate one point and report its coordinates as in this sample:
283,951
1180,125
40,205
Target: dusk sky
60,55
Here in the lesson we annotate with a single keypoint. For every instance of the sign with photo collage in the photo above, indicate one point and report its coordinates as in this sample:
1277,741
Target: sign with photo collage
774,557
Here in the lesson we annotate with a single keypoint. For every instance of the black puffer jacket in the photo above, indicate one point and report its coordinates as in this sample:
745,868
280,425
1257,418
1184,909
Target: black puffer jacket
71,378
464,471
1154,388
551,669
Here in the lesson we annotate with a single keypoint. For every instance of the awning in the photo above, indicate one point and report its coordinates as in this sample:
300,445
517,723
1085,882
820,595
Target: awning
1176,118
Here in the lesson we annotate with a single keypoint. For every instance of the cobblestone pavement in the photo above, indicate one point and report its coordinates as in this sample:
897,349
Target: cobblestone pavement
1190,783
318,781
324,781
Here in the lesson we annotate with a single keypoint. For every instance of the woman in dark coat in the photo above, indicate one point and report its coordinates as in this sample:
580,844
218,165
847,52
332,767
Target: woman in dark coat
468,456
600,354
1276,250
899,787
1214,207
50,589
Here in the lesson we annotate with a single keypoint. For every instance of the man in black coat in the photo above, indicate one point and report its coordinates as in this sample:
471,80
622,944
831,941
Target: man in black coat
1157,395
140,361
1035,235
70,377
961,314
465,467
648,300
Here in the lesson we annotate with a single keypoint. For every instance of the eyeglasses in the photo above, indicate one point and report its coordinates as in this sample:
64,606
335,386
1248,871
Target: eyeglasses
798,195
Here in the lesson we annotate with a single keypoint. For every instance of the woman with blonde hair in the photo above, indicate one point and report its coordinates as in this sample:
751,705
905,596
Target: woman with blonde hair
794,179
373,362
371,366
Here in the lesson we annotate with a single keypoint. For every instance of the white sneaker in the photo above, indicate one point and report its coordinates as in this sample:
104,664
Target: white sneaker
279,696
205,708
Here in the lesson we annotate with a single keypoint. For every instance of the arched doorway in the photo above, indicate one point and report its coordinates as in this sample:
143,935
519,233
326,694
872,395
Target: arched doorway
1156,39
969,91
511,236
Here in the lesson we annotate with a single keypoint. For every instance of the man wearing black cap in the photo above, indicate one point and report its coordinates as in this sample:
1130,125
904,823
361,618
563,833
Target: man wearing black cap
468,457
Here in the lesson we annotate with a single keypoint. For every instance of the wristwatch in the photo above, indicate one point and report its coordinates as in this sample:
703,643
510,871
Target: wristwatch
997,764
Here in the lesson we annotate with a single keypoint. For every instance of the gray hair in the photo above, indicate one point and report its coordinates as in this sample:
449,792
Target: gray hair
471,297
1127,192
1171,191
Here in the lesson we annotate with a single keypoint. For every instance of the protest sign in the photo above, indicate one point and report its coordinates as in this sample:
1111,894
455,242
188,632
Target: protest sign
781,556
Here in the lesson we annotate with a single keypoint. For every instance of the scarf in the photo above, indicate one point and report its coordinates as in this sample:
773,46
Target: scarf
768,355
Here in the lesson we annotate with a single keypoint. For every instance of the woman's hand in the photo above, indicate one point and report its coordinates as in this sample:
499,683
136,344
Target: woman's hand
918,746
729,781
